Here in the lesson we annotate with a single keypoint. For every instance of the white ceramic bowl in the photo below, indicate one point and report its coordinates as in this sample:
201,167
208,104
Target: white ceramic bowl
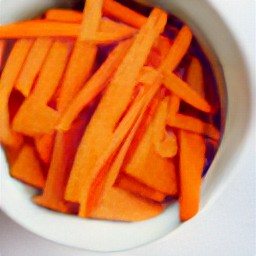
213,34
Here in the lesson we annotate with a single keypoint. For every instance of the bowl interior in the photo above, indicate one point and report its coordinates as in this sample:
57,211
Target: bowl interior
226,59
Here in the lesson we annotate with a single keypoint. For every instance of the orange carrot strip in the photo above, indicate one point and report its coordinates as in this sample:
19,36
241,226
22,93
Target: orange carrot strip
108,25
44,146
165,144
108,114
64,15
185,92
33,64
132,185
79,67
191,161
193,124
9,75
27,167
195,77
11,154
121,205
174,105
178,49
94,86
123,13
2,49
34,28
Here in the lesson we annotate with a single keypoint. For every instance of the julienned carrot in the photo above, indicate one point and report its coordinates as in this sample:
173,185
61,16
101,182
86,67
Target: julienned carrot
193,124
108,25
132,185
108,114
64,15
165,143
123,13
185,92
178,49
27,168
191,164
33,65
79,67
9,75
35,28
94,86
44,145
121,205
2,49
174,105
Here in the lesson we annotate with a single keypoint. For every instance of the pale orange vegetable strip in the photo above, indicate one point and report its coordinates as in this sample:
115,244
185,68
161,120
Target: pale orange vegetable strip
165,144
132,185
27,168
94,85
35,28
8,78
185,92
79,67
33,65
178,49
121,205
191,162
64,15
193,124
44,146
108,114
123,13
108,25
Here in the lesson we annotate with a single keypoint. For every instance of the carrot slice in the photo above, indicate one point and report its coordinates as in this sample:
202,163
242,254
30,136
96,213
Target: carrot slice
178,50
64,15
94,86
132,185
121,205
108,114
165,143
123,13
33,65
9,75
185,92
44,146
27,168
191,161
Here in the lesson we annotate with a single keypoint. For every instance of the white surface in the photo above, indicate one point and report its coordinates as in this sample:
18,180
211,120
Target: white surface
228,228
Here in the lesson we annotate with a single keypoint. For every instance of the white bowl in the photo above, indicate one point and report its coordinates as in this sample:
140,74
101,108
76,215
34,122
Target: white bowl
214,34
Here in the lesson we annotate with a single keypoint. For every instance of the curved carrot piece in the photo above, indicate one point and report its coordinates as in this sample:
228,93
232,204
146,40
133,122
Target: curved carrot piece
33,65
191,162
10,73
94,86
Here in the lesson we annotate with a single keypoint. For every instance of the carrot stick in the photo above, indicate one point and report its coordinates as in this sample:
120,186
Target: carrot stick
108,25
108,114
178,49
185,92
94,85
123,13
79,68
124,206
44,146
64,15
165,144
34,28
2,49
27,168
8,78
191,161
33,65
193,124
132,185
174,105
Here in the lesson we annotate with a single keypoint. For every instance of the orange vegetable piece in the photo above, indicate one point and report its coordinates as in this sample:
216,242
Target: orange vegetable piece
191,164
9,75
2,49
108,114
123,13
64,15
27,168
33,65
94,85
132,185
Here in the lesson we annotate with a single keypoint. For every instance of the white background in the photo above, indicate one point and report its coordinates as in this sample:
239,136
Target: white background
227,228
